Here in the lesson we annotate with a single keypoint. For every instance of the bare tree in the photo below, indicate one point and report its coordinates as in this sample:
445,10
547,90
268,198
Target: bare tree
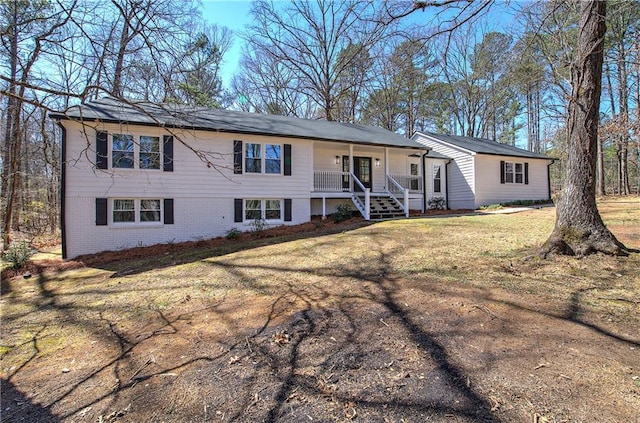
265,85
27,34
308,38
579,229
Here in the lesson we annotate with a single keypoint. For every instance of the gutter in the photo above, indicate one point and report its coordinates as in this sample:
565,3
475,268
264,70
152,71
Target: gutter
63,188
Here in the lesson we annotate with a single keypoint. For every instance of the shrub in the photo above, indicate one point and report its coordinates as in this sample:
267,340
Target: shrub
343,212
258,226
18,254
233,233
436,203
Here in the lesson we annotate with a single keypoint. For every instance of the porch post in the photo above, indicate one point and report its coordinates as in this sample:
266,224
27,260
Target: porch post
324,207
350,167
386,166
406,202
367,204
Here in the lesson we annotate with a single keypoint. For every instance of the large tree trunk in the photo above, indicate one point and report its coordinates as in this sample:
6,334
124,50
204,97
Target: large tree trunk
11,149
579,229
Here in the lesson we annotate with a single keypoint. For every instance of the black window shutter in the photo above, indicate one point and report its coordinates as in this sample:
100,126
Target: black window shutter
101,211
237,158
168,211
502,171
526,173
102,153
167,150
237,215
287,209
287,159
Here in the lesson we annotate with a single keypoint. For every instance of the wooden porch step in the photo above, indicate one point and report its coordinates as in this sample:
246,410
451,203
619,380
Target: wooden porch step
384,207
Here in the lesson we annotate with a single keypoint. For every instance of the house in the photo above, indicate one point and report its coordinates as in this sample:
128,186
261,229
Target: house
139,173
483,172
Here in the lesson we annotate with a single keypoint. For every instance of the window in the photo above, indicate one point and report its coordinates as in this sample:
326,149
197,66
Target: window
124,211
518,167
122,156
149,210
136,211
272,158
272,210
253,162
144,152
251,157
514,173
149,152
415,181
253,209
262,209
437,178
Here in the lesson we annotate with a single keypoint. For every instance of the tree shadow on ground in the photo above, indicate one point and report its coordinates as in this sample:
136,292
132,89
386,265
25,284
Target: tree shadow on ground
138,260
18,408
340,356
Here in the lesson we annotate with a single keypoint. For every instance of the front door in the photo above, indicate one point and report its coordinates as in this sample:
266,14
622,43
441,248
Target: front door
362,170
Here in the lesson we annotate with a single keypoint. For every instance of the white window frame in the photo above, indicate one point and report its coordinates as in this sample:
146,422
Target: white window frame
263,209
513,173
136,152
137,212
436,168
263,158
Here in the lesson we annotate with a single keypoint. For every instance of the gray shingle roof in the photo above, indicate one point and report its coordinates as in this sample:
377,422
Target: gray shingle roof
110,109
486,146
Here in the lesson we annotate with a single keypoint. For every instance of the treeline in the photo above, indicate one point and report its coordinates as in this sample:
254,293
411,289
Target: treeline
485,70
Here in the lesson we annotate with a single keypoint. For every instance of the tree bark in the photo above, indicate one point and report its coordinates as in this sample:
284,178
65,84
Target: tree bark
579,229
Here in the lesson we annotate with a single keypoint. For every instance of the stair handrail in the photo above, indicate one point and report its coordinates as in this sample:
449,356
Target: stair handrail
405,191
366,213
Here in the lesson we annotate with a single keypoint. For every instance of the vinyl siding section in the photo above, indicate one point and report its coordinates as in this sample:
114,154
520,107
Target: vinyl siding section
460,173
491,191
203,195
429,178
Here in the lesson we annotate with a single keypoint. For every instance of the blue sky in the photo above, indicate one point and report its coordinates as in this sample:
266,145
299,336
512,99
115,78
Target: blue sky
234,14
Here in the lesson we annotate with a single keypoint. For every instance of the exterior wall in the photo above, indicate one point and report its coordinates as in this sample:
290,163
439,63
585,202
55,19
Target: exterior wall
460,173
203,196
491,191
429,191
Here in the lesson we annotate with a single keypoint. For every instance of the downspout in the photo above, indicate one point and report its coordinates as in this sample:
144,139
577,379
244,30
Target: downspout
424,181
446,182
63,190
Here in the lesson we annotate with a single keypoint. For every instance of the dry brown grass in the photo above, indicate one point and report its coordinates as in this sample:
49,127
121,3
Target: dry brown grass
462,305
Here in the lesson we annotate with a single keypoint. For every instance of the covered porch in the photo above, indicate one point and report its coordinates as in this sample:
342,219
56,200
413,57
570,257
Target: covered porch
381,182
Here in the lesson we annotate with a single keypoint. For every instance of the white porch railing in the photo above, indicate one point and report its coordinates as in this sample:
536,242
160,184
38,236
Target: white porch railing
396,190
332,182
324,181
412,182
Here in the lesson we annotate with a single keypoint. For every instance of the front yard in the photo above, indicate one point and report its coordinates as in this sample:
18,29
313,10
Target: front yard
431,319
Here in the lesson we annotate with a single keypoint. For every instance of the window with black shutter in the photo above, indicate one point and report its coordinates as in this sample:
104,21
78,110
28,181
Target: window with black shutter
101,211
102,150
167,150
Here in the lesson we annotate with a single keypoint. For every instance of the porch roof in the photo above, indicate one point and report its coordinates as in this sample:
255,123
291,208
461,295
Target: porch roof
113,110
